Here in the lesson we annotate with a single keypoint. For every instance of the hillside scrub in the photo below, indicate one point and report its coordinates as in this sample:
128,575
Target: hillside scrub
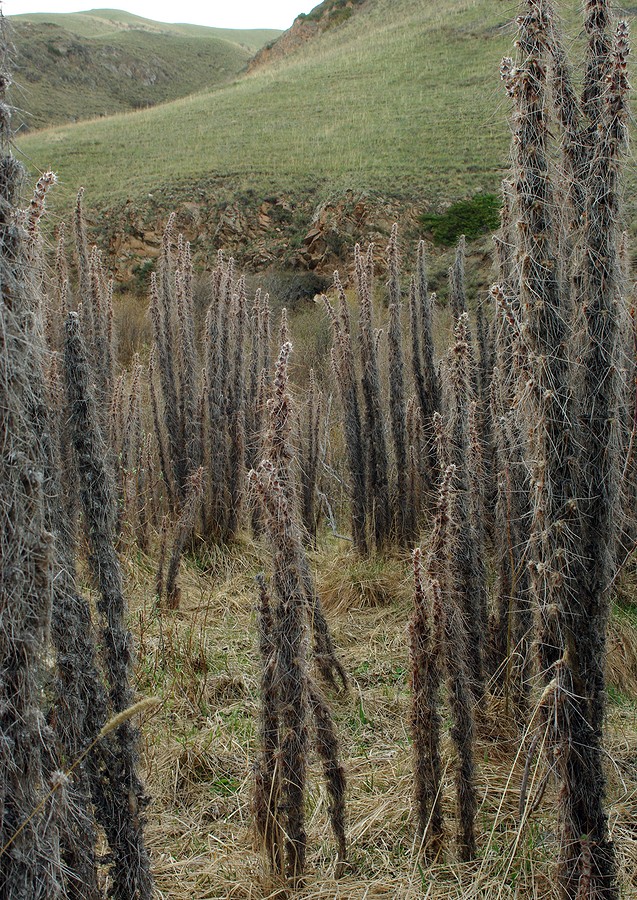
74,67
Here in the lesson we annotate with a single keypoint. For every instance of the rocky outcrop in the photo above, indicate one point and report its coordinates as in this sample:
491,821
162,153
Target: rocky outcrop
282,232
329,14
337,225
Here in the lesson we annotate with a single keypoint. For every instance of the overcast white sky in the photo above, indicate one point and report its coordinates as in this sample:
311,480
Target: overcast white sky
228,14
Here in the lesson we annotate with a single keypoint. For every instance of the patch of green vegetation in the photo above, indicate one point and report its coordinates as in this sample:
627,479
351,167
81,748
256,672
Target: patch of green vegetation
239,722
338,17
625,608
141,275
471,217
391,675
619,698
224,785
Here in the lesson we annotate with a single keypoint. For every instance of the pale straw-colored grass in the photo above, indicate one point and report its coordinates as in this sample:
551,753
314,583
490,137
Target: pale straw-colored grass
199,749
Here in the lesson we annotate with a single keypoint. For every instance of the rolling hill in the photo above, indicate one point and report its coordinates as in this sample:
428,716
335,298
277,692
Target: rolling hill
99,23
399,108
76,66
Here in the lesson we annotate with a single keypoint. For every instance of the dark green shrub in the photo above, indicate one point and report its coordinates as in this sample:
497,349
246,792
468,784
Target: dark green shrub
141,275
469,217
338,16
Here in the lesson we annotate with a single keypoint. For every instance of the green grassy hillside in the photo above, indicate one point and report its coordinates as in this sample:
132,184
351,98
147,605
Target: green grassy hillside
403,99
84,65
96,23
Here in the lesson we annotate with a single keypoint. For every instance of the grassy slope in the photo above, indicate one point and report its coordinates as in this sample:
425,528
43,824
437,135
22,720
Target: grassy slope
79,66
404,98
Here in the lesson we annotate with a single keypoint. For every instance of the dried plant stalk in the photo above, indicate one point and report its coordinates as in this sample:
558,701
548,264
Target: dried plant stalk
397,404
122,798
465,544
183,532
377,485
267,793
291,665
426,722
345,372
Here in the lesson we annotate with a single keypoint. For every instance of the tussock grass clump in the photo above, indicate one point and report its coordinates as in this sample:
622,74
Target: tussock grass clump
349,584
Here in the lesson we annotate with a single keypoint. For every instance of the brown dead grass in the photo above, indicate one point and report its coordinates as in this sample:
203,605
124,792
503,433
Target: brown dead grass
200,748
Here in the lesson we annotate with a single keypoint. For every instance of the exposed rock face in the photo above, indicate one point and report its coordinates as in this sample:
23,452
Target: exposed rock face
326,15
261,233
338,224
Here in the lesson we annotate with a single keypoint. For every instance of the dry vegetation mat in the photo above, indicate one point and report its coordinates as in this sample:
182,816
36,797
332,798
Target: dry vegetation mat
201,747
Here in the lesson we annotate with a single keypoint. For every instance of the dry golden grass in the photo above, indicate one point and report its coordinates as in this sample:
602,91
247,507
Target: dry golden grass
200,746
